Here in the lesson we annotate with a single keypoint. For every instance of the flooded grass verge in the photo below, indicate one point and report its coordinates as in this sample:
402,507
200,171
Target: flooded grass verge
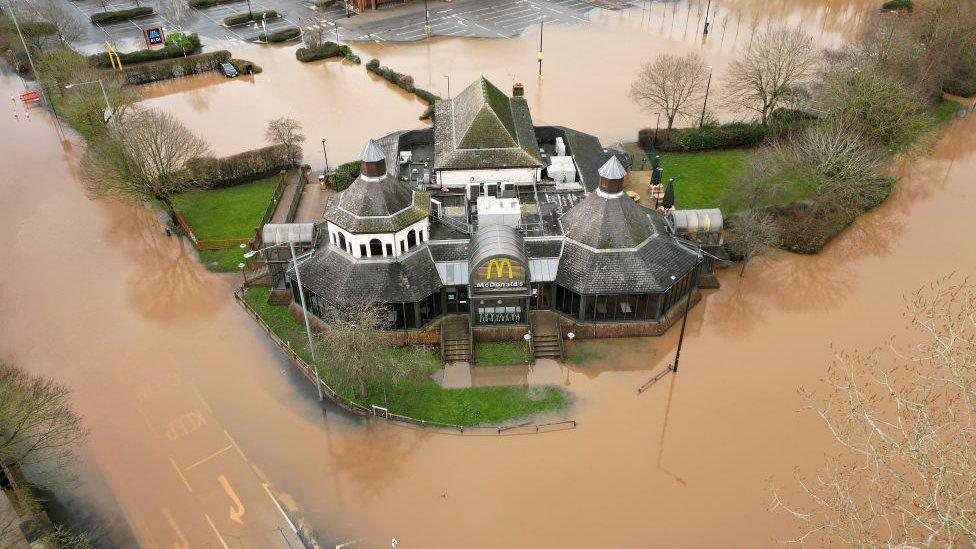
420,398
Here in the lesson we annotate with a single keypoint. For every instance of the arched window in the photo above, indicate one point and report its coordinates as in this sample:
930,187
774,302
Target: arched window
411,239
342,241
375,248
421,236
334,243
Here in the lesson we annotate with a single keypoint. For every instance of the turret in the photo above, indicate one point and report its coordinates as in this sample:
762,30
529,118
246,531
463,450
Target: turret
372,160
612,175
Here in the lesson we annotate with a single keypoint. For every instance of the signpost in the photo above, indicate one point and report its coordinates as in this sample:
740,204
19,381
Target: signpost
154,36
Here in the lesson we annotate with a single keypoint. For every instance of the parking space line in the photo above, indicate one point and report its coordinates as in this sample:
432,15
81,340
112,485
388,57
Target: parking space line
214,527
211,456
234,442
180,473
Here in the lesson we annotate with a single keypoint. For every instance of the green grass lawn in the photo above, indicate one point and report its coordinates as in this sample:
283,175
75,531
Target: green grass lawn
945,111
422,398
500,354
231,212
221,261
701,178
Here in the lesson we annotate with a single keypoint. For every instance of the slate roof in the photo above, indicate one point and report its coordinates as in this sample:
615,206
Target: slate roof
481,127
377,206
339,278
549,247
646,270
612,169
611,222
588,153
449,251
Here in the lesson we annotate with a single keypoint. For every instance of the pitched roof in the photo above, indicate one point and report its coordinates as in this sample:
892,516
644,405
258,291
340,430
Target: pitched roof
377,206
609,222
339,278
481,127
646,270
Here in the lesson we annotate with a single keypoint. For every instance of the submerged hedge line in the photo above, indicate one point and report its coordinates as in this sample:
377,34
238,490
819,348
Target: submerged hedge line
243,167
242,18
722,136
283,35
174,68
325,51
404,82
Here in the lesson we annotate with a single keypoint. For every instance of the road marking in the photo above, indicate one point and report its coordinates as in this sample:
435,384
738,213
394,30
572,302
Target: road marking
348,543
221,538
180,473
234,442
183,543
280,510
237,511
211,456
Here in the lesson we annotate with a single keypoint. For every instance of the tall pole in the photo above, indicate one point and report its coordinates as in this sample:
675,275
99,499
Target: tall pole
109,111
704,103
426,19
448,85
707,7
30,58
656,126
336,25
250,14
542,22
346,3
326,154
308,329
684,321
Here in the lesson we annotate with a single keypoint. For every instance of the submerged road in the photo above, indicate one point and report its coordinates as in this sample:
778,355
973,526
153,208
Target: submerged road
200,428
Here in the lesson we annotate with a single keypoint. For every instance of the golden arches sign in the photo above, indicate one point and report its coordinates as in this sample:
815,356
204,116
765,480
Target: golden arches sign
499,265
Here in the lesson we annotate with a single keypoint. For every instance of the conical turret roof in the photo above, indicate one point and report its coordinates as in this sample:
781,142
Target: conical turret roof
612,169
372,152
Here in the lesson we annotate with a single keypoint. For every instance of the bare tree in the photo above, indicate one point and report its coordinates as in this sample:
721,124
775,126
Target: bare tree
313,35
353,351
905,423
771,71
38,428
751,234
57,13
671,85
145,157
288,132
176,12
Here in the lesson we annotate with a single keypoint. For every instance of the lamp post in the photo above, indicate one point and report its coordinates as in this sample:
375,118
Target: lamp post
108,106
336,25
346,3
326,153
705,103
707,7
301,294
542,22
426,19
250,14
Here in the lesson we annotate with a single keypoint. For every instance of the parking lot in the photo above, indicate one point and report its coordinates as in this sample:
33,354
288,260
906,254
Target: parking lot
483,19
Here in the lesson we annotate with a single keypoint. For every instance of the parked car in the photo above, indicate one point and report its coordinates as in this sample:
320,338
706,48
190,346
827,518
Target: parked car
227,70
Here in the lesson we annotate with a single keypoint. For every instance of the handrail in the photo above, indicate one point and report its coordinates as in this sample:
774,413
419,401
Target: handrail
297,199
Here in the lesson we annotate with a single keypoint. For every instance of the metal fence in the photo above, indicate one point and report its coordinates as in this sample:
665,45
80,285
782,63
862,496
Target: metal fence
383,412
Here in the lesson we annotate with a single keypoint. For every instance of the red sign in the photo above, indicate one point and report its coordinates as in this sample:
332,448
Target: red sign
30,97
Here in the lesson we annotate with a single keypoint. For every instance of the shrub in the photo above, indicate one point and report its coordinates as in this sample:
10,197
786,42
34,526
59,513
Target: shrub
736,134
323,51
373,65
171,50
282,35
405,81
897,5
344,175
242,167
242,64
354,58
182,41
174,68
121,15
209,3
241,18
427,96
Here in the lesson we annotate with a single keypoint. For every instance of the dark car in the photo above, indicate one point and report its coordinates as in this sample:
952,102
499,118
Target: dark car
227,70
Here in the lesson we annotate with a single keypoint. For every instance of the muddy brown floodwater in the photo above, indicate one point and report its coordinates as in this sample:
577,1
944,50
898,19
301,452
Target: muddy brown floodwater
196,420
587,72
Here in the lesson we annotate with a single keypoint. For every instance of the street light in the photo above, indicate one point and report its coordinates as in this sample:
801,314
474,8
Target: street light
301,294
108,106
707,88
426,19
542,22
706,16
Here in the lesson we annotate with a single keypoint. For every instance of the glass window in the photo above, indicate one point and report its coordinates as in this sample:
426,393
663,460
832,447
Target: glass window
601,311
375,247
389,250
362,250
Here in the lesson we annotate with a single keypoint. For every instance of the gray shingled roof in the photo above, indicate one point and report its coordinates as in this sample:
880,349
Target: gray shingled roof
549,247
449,251
381,206
588,153
645,270
606,223
339,278
483,128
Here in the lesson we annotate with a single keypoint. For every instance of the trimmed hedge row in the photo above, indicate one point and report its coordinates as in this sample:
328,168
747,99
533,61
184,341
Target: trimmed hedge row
724,136
283,35
404,82
242,64
242,167
175,68
121,15
344,175
242,18
897,5
169,51
209,3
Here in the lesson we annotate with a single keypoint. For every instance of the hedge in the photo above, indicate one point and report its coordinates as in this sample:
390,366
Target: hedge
209,3
322,4
283,35
241,18
242,167
175,68
242,64
121,15
344,175
322,51
405,83
170,51
897,5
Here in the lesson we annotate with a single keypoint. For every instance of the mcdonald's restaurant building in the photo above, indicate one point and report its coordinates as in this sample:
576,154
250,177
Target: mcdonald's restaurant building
488,217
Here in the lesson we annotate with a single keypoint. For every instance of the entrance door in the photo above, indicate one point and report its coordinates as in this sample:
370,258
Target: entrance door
540,296
457,299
